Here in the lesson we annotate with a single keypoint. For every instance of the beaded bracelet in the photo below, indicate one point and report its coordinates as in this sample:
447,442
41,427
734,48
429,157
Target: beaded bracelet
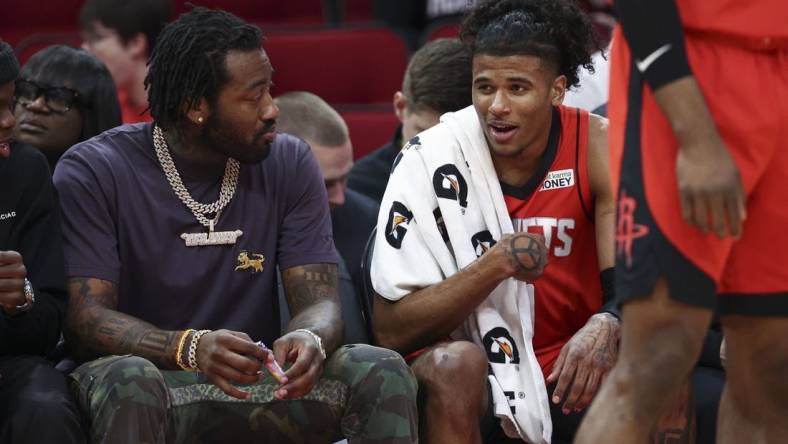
179,352
192,356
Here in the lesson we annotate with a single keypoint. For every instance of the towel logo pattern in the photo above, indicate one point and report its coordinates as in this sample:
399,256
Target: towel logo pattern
449,184
482,241
412,143
399,219
441,224
500,347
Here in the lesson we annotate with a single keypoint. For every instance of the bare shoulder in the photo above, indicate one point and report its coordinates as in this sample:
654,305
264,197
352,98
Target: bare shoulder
597,131
598,170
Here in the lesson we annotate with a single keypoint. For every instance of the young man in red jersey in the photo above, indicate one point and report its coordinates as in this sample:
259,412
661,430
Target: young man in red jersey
552,180
698,118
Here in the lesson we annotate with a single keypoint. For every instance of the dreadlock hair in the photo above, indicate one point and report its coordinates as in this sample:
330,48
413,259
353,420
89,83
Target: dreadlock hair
554,30
188,61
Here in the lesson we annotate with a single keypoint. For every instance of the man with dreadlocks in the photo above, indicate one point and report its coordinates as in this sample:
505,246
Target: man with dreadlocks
168,295
533,173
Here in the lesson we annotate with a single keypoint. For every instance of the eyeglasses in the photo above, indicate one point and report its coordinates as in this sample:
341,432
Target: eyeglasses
59,99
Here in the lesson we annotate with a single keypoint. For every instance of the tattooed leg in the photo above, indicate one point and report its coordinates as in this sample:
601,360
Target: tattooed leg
677,424
661,340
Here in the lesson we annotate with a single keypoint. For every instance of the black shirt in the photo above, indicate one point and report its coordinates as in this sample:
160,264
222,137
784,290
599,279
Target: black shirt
370,174
30,225
352,223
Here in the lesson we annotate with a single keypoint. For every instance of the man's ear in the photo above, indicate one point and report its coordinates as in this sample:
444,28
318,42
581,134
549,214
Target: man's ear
558,90
198,113
400,105
138,46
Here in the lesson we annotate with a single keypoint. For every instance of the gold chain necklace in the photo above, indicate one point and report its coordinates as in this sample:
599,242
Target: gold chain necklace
200,210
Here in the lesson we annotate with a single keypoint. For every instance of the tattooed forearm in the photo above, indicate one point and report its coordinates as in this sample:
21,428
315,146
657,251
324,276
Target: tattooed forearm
312,296
95,328
308,285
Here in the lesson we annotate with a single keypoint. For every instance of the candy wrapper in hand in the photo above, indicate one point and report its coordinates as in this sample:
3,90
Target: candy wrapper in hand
271,365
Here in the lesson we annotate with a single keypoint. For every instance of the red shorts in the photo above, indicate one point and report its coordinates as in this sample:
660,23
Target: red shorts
746,92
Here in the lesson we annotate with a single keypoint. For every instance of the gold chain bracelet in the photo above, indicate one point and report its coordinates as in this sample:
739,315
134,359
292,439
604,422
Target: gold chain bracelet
179,352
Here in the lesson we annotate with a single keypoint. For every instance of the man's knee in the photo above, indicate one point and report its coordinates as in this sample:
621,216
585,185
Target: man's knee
120,382
660,347
44,404
370,366
382,391
452,370
758,362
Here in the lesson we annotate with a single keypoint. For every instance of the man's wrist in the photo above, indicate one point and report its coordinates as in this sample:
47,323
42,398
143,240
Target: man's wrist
497,269
607,317
318,340
685,108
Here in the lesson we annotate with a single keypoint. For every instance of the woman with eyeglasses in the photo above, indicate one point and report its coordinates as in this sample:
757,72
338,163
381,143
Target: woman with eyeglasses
63,96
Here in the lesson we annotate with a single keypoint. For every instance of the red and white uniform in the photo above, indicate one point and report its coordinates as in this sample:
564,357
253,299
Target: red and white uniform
561,208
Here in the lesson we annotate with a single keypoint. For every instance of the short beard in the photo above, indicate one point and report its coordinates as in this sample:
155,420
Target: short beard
223,136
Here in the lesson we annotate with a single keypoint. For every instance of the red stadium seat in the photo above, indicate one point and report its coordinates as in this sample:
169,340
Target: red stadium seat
442,30
343,66
38,13
369,129
26,44
265,11
50,22
358,11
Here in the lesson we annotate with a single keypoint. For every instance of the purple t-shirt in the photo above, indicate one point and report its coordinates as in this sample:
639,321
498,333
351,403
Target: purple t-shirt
122,222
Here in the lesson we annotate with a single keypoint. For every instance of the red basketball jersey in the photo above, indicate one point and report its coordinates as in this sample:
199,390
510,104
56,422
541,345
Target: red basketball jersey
761,19
560,207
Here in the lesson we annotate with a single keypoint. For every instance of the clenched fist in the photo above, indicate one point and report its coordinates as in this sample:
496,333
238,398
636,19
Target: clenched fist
12,280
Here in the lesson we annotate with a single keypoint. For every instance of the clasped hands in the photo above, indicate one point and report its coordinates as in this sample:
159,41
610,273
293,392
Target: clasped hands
228,358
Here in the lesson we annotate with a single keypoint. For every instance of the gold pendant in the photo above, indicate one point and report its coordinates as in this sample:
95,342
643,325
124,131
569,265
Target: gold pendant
211,237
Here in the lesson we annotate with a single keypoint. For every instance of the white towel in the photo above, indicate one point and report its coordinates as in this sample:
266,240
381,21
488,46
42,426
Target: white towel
442,210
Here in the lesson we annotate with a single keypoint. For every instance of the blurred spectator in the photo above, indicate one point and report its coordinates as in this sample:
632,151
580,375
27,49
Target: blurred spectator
63,96
353,215
35,406
591,94
442,8
122,34
438,80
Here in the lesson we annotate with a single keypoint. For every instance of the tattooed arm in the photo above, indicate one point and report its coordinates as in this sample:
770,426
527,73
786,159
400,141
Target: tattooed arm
313,299
94,327
429,315
591,352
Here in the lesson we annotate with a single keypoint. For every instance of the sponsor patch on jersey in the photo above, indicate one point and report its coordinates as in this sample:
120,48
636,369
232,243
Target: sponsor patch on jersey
558,179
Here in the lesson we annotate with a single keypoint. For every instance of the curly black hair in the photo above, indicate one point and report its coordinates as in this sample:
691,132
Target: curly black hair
187,62
556,30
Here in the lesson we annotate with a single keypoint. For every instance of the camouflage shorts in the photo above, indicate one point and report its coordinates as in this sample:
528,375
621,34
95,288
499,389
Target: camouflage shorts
366,394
